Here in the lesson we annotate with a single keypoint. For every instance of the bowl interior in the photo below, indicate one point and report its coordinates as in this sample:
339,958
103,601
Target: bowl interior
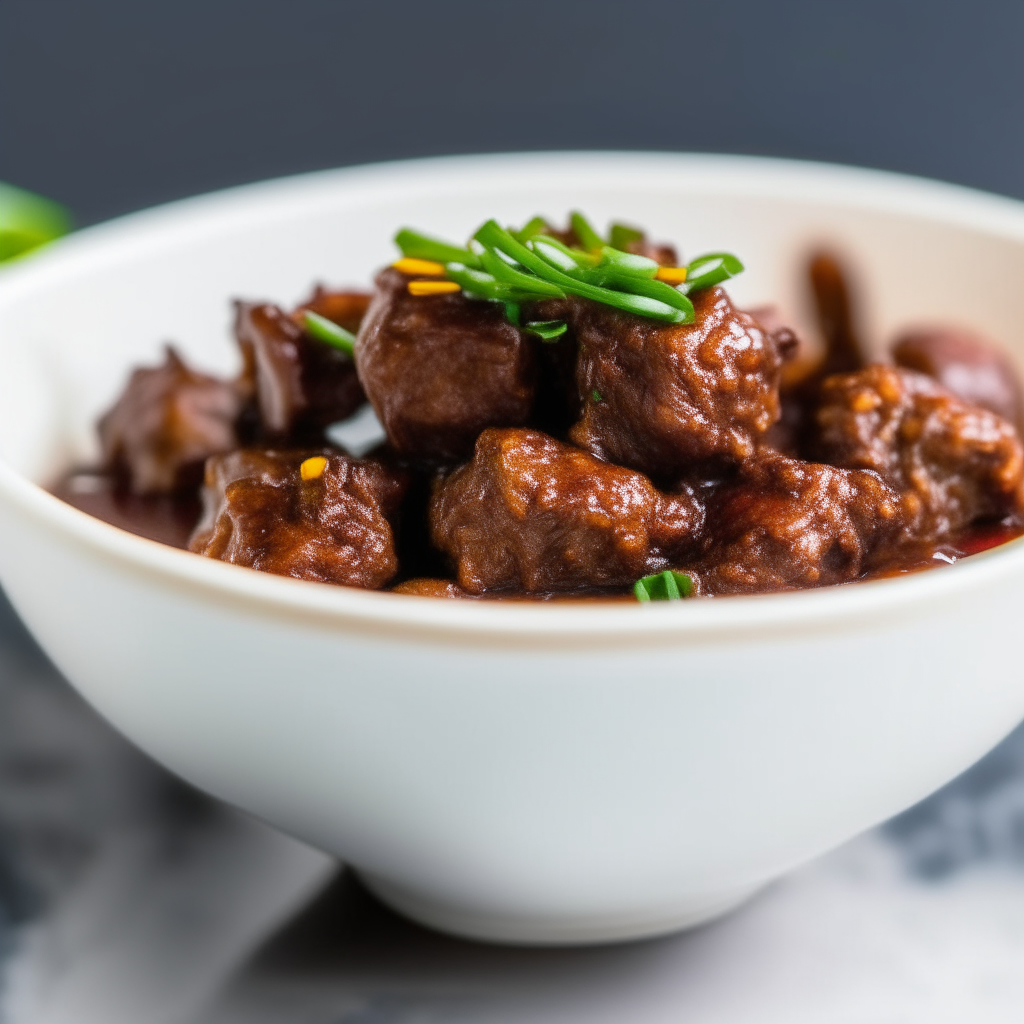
74,319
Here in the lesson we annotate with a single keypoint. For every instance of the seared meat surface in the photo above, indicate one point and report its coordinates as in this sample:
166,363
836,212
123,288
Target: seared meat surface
964,363
661,398
439,369
167,422
952,463
534,514
313,514
299,385
790,524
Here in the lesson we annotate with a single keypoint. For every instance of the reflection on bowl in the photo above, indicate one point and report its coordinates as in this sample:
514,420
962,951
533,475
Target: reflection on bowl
518,772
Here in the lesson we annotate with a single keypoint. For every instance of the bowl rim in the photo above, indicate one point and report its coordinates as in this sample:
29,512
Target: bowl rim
483,622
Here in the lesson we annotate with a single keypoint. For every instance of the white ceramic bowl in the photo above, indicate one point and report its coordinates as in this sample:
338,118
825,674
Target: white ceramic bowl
530,773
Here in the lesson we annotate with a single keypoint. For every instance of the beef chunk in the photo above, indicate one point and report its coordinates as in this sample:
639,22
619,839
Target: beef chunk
532,513
438,369
970,367
300,384
661,397
844,352
428,586
953,462
166,422
789,524
333,528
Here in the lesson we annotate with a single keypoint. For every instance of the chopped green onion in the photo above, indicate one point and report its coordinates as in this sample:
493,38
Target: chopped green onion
512,313
514,267
663,586
329,332
622,236
710,269
534,226
423,247
596,395
628,262
502,271
547,330
589,238
28,221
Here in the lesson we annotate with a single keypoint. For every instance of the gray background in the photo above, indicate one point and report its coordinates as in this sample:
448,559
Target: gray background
112,105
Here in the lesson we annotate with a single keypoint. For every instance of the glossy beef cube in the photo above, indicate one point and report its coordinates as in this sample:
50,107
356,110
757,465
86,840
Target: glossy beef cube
969,366
314,514
438,369
663,398
299,385
531,513
789,524
165,424
952,462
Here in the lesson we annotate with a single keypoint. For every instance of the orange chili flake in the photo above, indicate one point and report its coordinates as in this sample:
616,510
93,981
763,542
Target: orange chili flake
313,468
433,287
671,275
409,265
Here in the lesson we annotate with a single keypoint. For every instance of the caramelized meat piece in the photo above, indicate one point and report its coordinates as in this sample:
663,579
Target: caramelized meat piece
166,422
346,309
843,350
789,524
662,397
970,367
334,527
953,462
301,385
532,513
438,369
427,586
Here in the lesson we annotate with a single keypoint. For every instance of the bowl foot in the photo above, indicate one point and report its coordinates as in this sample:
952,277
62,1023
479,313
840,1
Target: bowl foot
563,930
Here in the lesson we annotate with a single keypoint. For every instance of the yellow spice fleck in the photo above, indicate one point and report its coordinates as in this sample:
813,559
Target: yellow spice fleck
409,265
432,287
313,468
671,275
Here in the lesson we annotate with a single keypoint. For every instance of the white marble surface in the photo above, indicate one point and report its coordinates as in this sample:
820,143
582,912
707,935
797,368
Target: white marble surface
126,899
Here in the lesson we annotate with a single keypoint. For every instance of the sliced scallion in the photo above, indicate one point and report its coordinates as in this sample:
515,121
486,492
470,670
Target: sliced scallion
663,586
547,330
329,332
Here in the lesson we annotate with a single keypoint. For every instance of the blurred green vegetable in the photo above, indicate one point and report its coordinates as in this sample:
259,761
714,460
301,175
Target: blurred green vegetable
28,221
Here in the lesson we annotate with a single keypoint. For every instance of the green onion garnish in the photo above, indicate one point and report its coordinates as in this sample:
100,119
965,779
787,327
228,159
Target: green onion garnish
547,330
663,586
328,331
596,395
622,236
28,221
423,247
589,238
534,226
513,267
710,269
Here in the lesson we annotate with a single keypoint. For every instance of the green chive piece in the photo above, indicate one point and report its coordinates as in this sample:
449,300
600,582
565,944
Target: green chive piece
622,236
512,313
658,290
628,262
596,395
589,238
534,226
329,332
423,247
547,330
502,271
28,221
664,586
710,269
